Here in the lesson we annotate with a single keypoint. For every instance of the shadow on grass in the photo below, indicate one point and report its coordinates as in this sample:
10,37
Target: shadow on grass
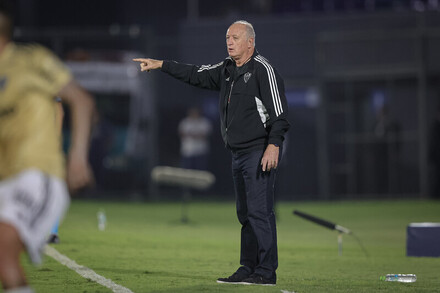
155,274
175,282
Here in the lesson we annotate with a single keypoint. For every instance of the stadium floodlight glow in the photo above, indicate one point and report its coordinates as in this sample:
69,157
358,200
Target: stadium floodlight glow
331,226
195,179
186,179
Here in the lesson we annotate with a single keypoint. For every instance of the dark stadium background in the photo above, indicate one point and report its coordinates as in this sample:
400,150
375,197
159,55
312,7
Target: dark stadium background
342,61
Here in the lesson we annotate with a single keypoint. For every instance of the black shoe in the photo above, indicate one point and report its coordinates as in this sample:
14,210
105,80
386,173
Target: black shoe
236,278
256,279
53,239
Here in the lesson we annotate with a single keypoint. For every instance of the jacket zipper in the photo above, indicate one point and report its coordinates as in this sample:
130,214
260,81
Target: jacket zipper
226,116
227,105
230,92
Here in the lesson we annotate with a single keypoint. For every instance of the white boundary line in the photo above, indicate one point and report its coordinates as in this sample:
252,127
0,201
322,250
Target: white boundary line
85,271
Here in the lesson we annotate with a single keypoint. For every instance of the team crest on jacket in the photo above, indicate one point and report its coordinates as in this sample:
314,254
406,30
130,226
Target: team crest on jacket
247,75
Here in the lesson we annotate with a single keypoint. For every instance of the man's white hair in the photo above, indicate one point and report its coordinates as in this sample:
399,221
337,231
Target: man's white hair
250,32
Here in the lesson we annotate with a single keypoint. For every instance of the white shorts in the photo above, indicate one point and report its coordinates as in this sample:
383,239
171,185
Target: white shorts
32,202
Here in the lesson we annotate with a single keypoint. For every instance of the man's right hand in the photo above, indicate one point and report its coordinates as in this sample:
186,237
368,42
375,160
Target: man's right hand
148,64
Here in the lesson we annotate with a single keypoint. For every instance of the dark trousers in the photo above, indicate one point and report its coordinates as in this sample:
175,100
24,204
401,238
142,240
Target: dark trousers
254,190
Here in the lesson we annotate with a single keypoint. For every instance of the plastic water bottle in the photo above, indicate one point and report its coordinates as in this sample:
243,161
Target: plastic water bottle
102,220
405,278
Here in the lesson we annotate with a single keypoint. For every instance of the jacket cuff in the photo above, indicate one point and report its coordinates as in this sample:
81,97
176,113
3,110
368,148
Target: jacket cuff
165,65
276,140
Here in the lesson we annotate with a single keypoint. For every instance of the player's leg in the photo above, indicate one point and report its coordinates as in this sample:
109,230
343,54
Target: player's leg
55,228
11,272
53,237
30,204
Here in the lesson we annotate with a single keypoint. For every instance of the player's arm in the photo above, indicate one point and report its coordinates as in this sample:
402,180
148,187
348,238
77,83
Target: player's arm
59,116
82,106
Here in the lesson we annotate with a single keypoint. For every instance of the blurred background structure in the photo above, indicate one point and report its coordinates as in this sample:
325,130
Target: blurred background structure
362,82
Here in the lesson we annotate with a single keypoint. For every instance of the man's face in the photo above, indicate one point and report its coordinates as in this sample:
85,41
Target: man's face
237,41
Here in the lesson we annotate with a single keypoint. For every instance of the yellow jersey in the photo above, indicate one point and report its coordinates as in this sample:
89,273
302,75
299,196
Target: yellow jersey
30,77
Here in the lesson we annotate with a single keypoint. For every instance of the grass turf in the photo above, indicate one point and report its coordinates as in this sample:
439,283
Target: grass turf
147,249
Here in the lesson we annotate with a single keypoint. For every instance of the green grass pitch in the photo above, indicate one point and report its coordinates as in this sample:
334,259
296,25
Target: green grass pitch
147,249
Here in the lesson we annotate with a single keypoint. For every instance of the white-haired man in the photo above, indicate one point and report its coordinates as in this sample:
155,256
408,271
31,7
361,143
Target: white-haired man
253,111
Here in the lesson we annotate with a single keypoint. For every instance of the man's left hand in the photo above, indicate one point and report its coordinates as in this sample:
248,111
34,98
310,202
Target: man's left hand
270,158
79,173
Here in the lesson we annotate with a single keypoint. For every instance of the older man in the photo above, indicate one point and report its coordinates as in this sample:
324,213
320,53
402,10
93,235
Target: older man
253,113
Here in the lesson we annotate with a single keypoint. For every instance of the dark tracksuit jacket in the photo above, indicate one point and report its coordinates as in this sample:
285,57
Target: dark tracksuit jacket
253,111
253,107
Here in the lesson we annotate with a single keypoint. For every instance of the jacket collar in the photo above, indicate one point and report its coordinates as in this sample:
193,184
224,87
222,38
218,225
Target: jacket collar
229,60
230,63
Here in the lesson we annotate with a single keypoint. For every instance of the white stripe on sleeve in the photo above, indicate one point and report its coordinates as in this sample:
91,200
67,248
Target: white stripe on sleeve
209,67
273,85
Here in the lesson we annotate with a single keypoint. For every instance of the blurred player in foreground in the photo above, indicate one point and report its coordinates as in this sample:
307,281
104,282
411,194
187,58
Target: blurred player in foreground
33,192
59,116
